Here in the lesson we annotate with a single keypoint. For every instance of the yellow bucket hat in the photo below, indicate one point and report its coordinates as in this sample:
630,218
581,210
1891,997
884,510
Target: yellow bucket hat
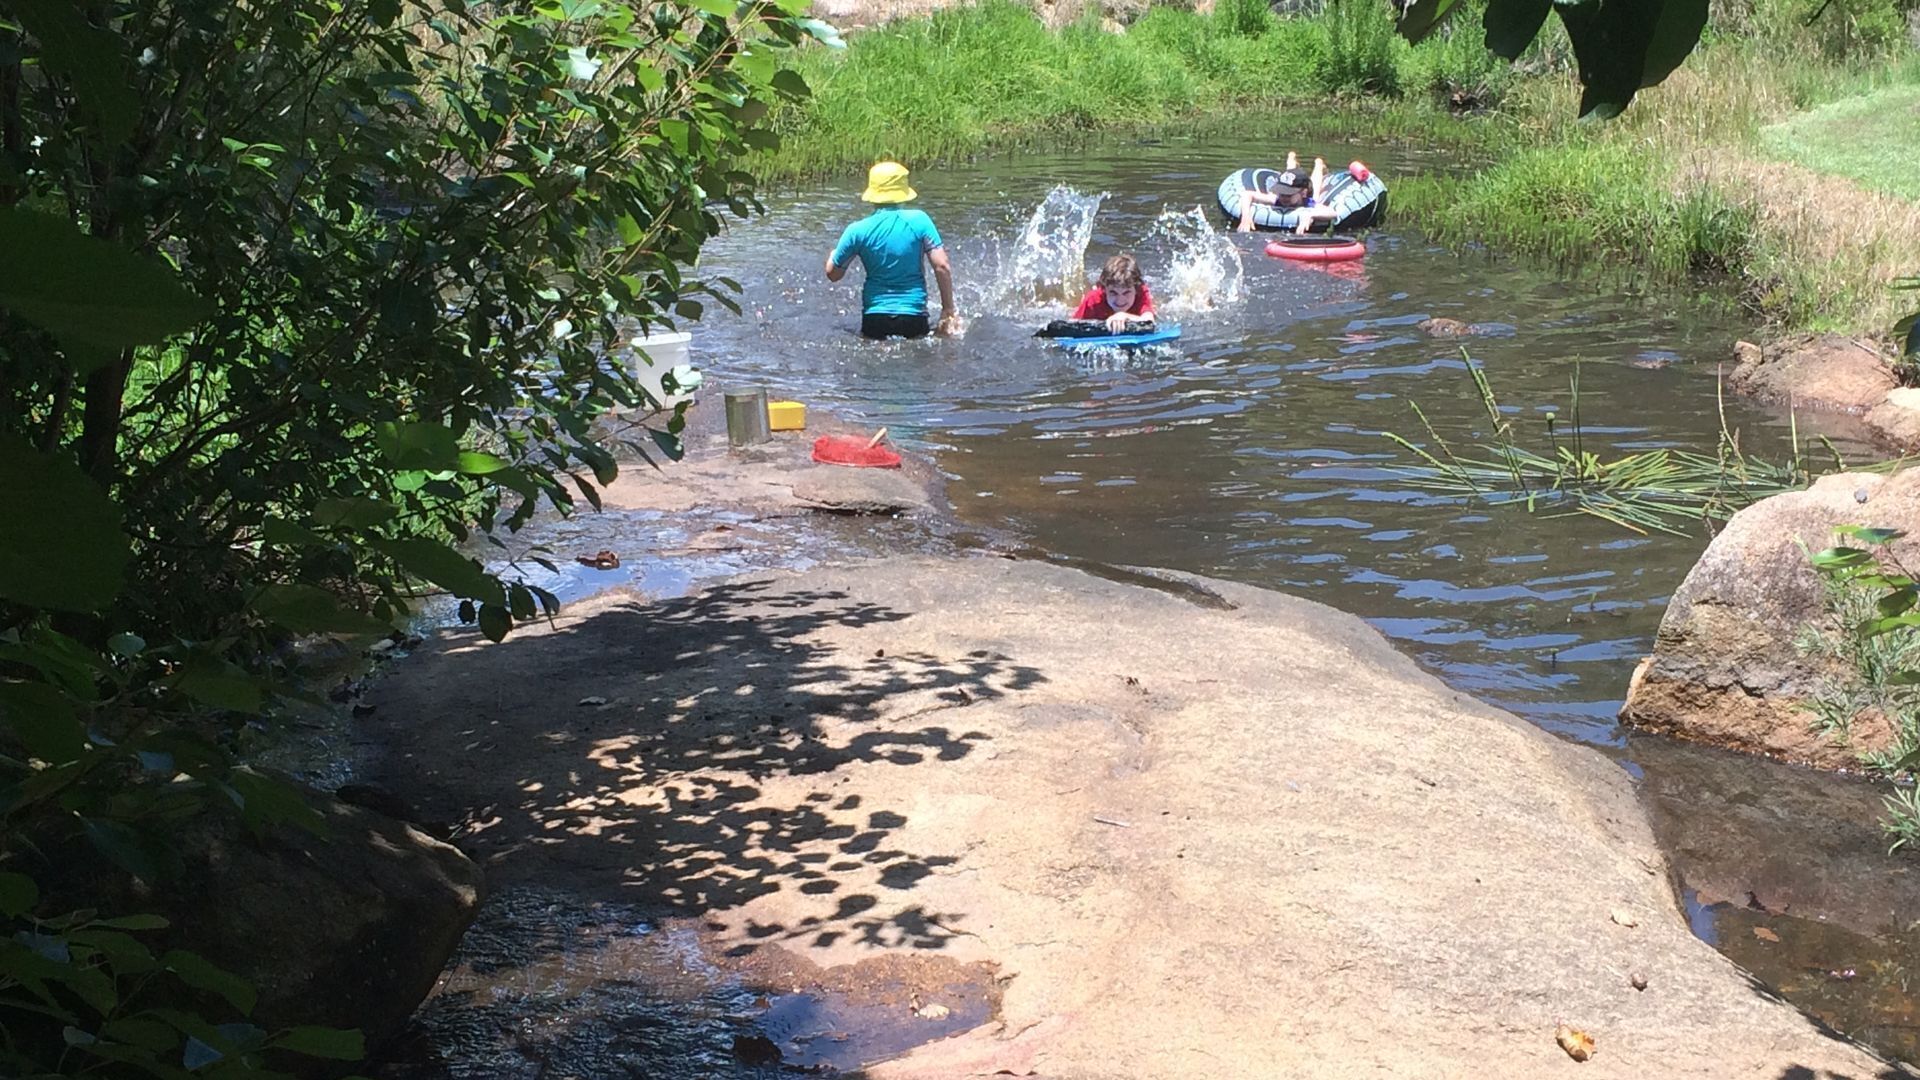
887,183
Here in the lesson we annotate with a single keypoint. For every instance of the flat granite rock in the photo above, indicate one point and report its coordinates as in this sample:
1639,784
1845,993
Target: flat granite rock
858,491
1244,839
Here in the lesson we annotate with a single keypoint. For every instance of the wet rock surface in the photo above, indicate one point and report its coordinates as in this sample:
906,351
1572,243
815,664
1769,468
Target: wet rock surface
1726,668
550,984
1238,839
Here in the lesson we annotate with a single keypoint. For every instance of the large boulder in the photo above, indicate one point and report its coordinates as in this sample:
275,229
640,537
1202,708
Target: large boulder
1825,372
1726,668
348,930
1202,830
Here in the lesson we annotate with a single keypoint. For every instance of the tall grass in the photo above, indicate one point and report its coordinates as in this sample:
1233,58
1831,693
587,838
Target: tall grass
992,74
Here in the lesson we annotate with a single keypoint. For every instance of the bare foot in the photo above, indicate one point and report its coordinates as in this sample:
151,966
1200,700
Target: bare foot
1293,160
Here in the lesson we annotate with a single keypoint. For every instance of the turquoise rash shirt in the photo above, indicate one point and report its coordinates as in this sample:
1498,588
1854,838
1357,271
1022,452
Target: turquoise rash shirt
890,243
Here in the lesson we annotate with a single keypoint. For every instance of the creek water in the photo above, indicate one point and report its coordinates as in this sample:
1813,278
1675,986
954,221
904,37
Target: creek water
1253,450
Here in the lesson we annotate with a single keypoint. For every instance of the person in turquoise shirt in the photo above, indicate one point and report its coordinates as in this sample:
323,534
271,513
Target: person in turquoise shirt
891,244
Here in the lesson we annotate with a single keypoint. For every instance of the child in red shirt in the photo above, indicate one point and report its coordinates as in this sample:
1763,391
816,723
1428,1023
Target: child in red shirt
1119,297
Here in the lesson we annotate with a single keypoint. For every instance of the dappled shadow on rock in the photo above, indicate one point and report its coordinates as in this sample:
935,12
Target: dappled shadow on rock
678,759
637,751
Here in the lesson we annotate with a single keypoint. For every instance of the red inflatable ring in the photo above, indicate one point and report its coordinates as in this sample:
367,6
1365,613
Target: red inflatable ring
1317,248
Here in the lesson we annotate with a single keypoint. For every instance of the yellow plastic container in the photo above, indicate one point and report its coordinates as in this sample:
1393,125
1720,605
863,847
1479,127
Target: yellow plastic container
786,415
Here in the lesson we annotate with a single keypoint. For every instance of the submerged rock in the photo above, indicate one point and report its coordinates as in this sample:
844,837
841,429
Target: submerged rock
1725,667
1239,839
1445,327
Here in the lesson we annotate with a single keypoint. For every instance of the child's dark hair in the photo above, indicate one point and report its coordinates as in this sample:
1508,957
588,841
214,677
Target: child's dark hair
1121,270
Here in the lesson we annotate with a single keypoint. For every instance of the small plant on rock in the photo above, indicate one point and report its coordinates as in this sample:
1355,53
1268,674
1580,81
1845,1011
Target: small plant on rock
1871,633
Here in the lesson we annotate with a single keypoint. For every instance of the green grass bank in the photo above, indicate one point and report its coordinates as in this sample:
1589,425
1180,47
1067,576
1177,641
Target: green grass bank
1772,162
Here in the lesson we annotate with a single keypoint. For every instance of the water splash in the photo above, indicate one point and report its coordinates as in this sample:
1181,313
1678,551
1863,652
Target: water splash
1195,267
1046,264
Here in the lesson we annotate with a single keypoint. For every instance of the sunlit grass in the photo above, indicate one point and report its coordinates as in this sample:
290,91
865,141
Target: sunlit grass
1873,139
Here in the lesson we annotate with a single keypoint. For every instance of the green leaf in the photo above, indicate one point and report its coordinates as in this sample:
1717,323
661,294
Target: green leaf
339,1044
85,289
134,922
125,953
124,846
1839,558
1512,25
213,681
722,8
150,1035
42,718
647,76
265,801
309,609
1624,45
791,83
520,602
1422,17
71,560
125,644
675,132
287,534
1897,602
433,447
1876,627
1872,536
474,463
352,513
18,894
88,57
605,469
443,566
197,972
1675,34
495,622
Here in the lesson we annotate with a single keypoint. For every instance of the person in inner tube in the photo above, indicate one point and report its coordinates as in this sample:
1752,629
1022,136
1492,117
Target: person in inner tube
1293,191
1119,297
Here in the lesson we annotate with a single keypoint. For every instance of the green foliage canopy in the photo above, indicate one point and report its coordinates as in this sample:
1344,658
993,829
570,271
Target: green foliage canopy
295,298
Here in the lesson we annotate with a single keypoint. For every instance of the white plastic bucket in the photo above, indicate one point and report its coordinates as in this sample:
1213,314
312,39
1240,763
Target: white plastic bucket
656,354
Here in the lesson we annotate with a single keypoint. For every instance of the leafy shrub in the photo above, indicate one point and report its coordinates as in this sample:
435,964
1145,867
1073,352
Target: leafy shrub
1362,48
1456,69
1244,18
85,995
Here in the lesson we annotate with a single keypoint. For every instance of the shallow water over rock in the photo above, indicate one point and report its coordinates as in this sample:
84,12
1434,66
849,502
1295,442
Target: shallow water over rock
548,985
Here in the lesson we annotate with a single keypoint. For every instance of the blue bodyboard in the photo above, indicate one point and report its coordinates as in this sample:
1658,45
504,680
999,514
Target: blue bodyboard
1119,341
